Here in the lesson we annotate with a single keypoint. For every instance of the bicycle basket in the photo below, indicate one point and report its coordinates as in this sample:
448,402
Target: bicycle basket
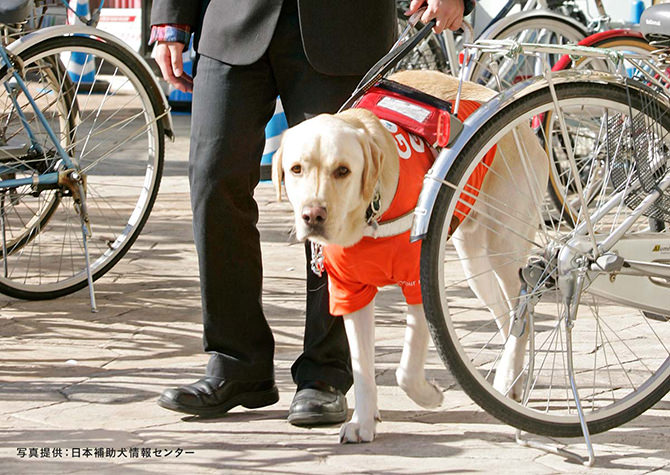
637,147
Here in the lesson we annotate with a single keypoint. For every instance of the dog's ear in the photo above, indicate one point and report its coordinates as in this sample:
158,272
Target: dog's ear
371,166
378,145
277,172
381,147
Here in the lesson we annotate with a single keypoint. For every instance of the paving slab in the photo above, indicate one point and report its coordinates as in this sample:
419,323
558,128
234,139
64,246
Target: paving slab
86,384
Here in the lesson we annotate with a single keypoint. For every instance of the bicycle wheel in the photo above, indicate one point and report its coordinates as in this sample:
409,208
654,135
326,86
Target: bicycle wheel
562,189
428,54
117,142
621,358
547,30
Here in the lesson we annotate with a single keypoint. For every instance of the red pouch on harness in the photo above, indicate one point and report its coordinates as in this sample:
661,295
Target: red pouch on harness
416,112
431,119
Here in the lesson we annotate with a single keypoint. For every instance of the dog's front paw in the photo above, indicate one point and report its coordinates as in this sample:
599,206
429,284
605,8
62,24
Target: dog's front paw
356,432
419,390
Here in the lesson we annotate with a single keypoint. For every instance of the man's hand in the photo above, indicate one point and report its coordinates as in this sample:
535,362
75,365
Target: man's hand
168,57
448,13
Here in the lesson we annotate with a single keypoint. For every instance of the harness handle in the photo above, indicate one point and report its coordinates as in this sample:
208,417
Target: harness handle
398,51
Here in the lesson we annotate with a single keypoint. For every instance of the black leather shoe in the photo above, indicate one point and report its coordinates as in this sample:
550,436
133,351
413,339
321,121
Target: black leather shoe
317,403
211,396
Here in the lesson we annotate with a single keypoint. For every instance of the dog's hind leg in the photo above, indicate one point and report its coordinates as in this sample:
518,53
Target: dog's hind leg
508,377
481,278
360,328
493,276
410,375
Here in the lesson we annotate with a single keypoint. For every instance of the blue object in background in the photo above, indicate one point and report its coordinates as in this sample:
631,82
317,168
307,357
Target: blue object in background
80,66
636,9
273,131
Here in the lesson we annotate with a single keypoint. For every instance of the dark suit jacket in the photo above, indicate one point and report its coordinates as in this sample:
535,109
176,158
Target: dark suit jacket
340,37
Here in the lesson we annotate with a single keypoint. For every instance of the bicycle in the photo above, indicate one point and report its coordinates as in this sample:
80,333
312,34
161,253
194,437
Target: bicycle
561,190
591,296
82,129
554,22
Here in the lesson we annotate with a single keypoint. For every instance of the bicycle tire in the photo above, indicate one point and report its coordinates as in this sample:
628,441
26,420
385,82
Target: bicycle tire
537,29
559,176
118,144
468,339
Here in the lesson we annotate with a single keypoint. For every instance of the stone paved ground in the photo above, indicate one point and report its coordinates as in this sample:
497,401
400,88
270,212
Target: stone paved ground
71,379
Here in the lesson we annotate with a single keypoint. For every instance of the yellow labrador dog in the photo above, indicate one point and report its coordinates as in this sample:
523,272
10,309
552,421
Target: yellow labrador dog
332,165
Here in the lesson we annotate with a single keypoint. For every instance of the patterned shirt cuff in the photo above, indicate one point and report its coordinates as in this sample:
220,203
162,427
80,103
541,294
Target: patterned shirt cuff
177,33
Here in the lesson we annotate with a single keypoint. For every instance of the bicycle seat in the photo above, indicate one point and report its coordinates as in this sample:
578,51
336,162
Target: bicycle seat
14,11
655,22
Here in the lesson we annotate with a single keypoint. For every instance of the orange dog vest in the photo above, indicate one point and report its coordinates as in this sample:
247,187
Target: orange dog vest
356,272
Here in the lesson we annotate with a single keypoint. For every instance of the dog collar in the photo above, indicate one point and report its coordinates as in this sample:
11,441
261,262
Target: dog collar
393,227
373,213
390,228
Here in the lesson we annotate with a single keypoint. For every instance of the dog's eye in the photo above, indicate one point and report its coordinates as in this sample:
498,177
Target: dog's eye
341,172
296,169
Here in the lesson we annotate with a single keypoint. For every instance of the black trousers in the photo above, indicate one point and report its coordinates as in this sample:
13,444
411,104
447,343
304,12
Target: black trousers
231,105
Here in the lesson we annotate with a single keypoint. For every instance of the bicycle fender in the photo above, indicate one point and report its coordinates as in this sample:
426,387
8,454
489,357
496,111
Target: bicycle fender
437,174
566,62
44,34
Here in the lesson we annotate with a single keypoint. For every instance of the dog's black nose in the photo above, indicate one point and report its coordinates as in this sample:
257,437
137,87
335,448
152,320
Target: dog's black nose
314,215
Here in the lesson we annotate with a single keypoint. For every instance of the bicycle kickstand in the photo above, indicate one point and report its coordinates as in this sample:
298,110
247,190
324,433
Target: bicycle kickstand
554,449
86,234
3,230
